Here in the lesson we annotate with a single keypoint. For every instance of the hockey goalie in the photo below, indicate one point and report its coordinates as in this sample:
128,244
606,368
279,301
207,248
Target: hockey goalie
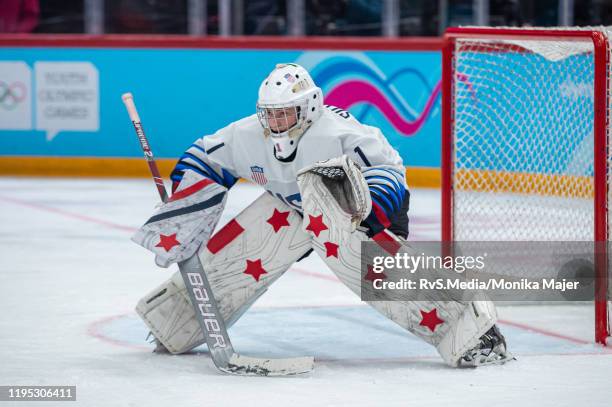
332,184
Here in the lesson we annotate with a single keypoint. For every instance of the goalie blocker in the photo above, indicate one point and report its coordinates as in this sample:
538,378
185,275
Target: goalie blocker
253,250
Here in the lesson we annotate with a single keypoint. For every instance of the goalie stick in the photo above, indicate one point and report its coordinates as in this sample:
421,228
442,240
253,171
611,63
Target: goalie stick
204,304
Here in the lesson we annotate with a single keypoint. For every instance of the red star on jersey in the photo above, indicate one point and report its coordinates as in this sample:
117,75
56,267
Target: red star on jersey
371,275
430,319
255,269
331,249
316,224
167,242
278,220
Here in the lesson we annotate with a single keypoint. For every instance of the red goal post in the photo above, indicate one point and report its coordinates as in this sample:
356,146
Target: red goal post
507,132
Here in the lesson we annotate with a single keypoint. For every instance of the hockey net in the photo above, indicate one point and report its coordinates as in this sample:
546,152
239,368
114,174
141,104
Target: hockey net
525,138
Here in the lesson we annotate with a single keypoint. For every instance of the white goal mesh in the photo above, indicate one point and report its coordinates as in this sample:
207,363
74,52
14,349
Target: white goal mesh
523,149
522,133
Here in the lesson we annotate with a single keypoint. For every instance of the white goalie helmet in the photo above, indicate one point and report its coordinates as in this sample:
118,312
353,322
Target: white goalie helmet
288,103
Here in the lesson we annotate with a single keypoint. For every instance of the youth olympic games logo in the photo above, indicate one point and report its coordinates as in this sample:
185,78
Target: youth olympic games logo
11,94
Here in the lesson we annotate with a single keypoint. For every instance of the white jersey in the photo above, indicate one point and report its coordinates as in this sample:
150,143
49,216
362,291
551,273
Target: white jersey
240,150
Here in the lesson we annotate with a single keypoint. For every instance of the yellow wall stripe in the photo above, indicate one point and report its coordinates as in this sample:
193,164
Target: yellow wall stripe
137,168
420,177
423,177
573,186
81,166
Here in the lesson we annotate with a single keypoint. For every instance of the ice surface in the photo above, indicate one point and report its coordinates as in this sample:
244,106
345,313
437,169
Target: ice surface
70,277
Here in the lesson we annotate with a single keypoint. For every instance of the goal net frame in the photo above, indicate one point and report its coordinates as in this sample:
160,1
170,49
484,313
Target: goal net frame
601,134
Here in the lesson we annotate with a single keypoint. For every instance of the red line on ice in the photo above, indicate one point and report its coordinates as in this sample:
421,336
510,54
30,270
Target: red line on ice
93,331
68,214
315,274
544,332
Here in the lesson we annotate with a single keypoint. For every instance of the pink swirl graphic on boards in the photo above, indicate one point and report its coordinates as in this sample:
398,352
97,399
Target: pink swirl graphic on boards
352,92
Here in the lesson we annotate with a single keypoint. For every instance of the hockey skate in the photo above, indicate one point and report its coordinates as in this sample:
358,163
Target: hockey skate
490,351
159,347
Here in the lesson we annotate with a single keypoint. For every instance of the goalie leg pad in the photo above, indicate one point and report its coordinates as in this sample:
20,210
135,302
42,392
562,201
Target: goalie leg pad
457,325
241,261
169,315
453,327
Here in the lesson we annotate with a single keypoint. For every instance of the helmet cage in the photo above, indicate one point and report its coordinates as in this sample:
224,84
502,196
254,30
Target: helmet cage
280,116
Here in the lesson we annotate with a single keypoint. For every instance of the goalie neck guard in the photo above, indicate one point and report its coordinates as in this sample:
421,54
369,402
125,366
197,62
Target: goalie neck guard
288,103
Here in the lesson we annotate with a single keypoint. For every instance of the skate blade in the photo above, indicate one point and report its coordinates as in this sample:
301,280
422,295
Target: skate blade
249,366
489,361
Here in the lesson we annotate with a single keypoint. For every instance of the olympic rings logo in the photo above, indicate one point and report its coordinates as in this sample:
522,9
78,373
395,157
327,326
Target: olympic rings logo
11,95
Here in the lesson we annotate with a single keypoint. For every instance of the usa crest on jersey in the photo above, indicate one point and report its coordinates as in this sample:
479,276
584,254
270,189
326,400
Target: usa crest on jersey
257,174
